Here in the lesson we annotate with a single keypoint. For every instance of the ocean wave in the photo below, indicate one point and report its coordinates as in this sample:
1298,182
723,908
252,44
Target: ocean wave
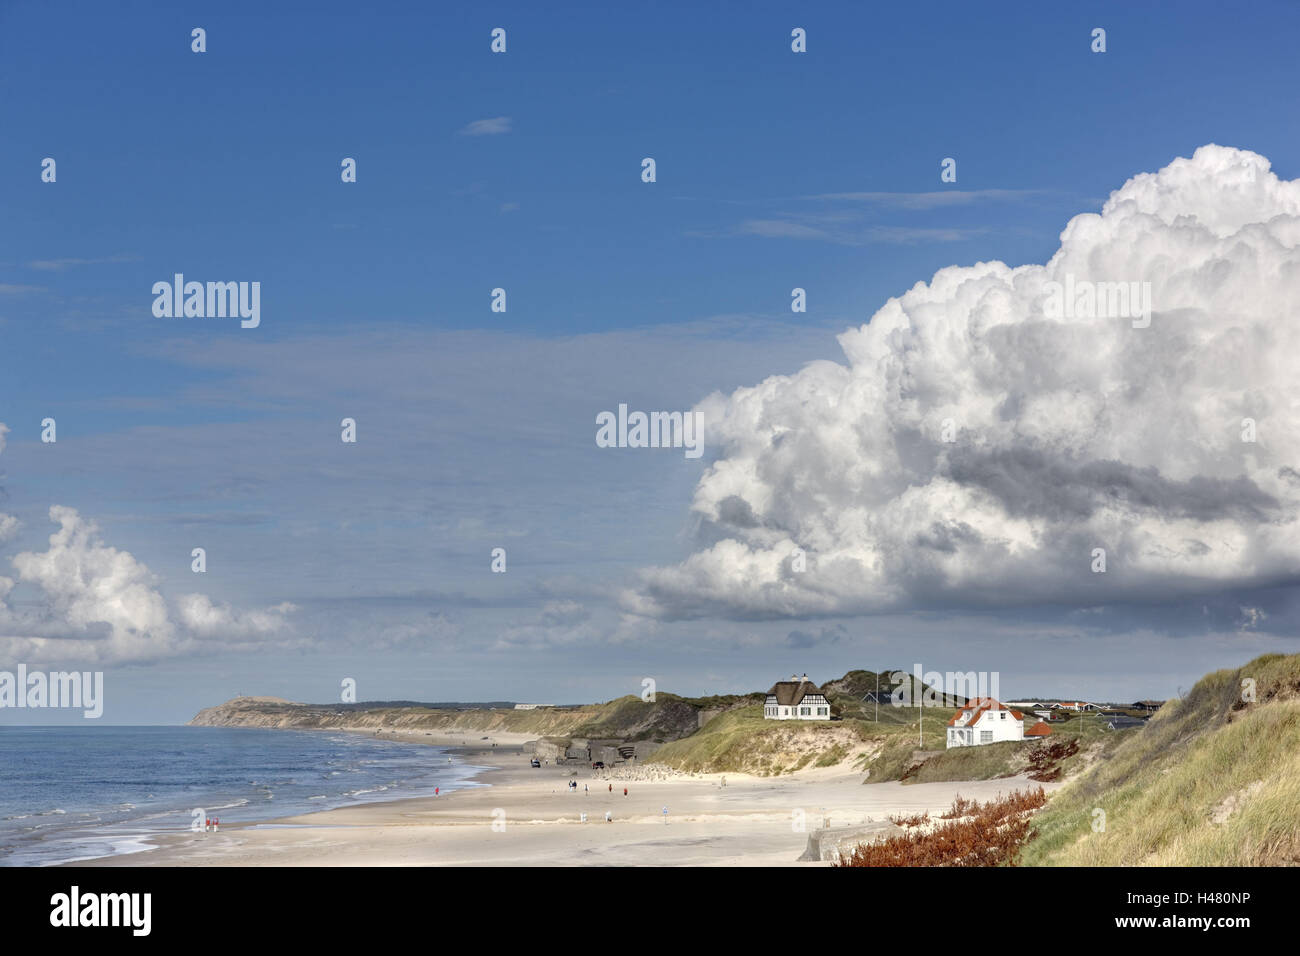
137,789
241,802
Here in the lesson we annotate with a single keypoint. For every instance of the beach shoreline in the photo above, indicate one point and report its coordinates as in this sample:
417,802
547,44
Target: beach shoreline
515,814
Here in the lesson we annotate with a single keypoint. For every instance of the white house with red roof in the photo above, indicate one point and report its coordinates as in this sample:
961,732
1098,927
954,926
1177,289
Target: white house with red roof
985,721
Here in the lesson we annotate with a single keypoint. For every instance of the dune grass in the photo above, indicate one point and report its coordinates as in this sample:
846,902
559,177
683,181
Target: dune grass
1212,780
742,741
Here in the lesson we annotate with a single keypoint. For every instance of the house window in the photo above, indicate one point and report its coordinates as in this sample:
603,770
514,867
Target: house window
986,736
1003,716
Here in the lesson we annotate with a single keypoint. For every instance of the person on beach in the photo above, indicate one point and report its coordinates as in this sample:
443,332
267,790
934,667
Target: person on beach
611,788
625,791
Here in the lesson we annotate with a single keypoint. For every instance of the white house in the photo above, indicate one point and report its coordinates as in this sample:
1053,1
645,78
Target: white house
796,699
985,721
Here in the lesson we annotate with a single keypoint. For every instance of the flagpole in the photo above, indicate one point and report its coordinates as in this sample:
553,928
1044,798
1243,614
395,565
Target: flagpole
920,734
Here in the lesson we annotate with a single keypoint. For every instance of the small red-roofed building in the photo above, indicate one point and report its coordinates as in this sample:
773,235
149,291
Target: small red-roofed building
984,720
1039,729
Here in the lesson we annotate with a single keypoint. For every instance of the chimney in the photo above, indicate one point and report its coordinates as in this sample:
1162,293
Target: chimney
794,678
805,679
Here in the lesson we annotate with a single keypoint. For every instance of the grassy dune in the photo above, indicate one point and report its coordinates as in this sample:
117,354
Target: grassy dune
884,745
741,741
900,758
1212,780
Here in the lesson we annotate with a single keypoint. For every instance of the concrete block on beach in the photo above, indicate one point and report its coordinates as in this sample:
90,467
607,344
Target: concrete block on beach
833,843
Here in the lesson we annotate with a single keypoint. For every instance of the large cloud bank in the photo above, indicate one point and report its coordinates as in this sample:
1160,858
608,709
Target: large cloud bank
1068,432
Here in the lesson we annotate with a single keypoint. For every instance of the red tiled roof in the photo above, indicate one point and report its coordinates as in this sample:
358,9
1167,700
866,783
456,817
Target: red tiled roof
1039,729
978,706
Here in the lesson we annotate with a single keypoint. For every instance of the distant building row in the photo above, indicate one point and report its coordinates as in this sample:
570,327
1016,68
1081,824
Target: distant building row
1083,706
981,720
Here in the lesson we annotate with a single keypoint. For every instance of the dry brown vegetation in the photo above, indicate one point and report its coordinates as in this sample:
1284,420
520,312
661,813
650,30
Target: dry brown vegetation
1045,760
961,807
914,821
973,834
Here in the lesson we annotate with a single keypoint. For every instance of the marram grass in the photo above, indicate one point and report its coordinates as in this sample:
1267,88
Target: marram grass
1212,780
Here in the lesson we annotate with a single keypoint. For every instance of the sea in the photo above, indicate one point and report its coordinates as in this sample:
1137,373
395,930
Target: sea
76,793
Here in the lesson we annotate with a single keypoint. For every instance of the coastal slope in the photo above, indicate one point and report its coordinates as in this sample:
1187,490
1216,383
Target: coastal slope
1212,780
666,718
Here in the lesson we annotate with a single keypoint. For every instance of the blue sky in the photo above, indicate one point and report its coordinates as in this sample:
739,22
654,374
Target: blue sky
774,170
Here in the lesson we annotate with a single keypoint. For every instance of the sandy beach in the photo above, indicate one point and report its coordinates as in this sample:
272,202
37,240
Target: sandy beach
528,816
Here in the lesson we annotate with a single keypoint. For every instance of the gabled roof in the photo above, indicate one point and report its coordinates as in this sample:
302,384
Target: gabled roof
1039,729
977,707
973,710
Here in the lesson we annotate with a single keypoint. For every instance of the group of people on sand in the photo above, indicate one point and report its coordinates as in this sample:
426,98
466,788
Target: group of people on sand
573,787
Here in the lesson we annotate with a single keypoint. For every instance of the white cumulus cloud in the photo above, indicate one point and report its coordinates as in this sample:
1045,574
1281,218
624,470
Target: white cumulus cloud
1069,434
8,527
102,605
205,619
